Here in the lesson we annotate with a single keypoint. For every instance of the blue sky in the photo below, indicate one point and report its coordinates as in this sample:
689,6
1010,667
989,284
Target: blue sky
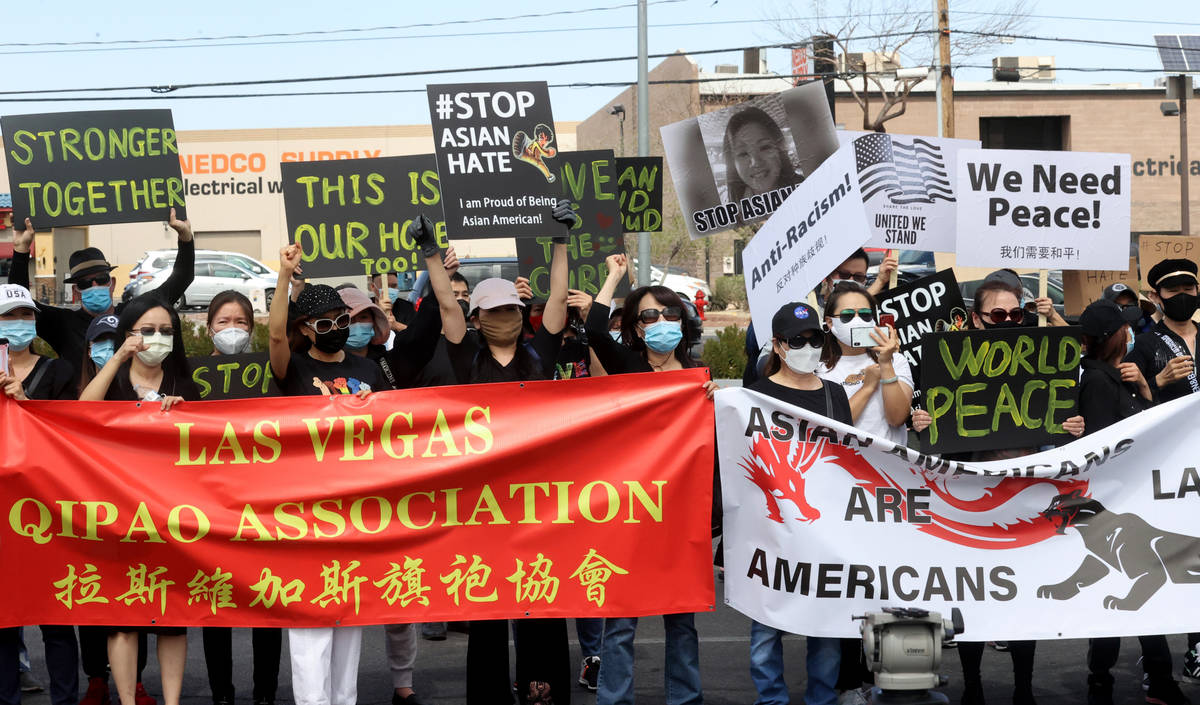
474,43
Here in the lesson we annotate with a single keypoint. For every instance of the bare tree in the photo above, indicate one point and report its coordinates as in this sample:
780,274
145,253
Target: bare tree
904,32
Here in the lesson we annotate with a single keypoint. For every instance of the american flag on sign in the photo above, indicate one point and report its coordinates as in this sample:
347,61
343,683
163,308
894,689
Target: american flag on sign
904,173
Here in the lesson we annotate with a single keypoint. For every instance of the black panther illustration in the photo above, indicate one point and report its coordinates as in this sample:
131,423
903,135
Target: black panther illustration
1126,542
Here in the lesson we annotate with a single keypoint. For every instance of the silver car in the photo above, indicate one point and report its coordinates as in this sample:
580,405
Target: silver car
213,277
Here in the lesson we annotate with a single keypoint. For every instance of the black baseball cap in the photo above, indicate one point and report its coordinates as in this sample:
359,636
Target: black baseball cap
793,319
1103,317
1171,272
1116,290
1008,278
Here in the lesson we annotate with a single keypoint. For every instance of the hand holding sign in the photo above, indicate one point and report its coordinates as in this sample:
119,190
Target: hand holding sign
182,227
420,230
23,239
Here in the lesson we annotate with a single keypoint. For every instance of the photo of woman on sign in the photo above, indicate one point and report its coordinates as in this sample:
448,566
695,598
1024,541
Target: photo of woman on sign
756,156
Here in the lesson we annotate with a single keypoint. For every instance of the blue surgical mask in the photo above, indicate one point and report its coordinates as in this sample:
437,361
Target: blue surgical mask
615,335
1129,344
663,336
20,333
360,335
102,352
96,299
393,293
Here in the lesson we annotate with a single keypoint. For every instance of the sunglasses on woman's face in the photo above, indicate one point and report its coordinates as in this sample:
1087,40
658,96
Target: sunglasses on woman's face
147,331
798,341
848,314
324,325
999,315
650,315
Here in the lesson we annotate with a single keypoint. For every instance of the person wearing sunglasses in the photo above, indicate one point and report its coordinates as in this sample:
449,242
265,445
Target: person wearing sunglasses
798,344
148,365
65,328
855,269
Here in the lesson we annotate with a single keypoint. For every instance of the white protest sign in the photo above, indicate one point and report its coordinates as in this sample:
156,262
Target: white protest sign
1049,210
820,224
908,183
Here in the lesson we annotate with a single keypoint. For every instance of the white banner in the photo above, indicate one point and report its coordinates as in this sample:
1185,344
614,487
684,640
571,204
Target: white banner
907,183
1043,209
820,224
1095,538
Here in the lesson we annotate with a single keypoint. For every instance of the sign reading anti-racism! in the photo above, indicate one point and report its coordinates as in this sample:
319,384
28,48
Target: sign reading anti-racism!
589,181
928,305
999,389
448,502
804,241
1081,287
95,167
496,151
738,165
1094,538
640,191
1050,210
908,184
351,216
244,376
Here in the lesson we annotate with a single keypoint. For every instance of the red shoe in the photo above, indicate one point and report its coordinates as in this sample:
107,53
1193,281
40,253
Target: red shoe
141,697
97,692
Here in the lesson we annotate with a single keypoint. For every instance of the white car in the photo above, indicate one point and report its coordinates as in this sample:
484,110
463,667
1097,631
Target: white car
155,261
676,279
212,277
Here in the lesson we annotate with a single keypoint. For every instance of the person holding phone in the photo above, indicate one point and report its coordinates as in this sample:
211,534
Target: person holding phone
867,363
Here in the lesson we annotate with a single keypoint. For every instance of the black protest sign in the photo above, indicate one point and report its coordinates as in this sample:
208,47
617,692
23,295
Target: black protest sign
94,167
351,216
1007,388
244,376
928,305
496,150
590,182
639,181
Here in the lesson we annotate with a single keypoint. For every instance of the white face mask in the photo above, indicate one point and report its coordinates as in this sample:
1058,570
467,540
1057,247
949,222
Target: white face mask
231,340
841,331
158,346
804,360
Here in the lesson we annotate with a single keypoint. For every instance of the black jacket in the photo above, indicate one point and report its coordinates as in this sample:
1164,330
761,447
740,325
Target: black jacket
1151,354
1104,399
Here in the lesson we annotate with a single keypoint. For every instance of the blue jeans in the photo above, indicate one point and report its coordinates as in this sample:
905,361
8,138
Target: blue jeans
823,659
590,631
681,675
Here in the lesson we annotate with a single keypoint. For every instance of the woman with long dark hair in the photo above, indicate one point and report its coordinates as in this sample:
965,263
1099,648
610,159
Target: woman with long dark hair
149,365
756,155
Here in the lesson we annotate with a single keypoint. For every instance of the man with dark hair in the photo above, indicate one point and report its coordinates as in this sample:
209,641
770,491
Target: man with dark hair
461,288
65,329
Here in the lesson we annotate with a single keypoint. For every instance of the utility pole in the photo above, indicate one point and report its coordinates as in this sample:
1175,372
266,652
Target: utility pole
1185,215
643,129
946,82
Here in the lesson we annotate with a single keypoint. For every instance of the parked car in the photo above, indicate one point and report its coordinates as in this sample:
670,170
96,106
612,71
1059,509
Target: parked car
155,261
1054,290
913,265
213,277
474,269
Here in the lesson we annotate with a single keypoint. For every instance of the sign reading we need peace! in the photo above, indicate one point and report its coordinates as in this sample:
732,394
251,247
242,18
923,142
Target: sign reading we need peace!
93,167
1049,210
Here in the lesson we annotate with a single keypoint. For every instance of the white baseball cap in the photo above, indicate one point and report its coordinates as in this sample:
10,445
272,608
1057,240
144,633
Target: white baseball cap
13,296
494,293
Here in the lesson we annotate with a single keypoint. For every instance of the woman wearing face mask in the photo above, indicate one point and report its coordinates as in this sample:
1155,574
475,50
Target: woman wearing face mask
498,354
230,323
148,365
997,305
797,346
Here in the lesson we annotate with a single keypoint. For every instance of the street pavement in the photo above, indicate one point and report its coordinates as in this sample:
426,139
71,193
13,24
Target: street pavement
1059,677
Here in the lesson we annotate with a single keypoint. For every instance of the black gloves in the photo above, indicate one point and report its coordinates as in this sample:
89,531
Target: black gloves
421,232
566,215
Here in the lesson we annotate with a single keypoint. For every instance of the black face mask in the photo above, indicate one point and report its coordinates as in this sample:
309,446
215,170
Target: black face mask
333,341
1179,307
1001,325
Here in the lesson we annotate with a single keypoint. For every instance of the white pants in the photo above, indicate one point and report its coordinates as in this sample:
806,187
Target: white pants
401,653
325,665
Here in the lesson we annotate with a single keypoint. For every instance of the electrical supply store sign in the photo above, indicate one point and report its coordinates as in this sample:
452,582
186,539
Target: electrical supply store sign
94,167
496,152
1048,210
417,506
1095,538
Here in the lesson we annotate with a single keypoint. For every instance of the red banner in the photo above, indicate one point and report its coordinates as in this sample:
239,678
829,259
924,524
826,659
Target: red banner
588,497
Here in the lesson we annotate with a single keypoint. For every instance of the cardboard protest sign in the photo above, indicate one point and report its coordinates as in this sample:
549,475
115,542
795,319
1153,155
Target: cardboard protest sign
737,165
496,152
1153,249
93,167
589,181
351,216
244,376
1050,210
930,304
640,193
1082,287
804,241
908,186
999,389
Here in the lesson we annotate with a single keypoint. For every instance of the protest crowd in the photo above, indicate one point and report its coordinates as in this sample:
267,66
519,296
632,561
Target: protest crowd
831,344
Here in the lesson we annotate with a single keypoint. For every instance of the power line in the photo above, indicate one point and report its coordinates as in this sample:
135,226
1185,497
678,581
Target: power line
1083,19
